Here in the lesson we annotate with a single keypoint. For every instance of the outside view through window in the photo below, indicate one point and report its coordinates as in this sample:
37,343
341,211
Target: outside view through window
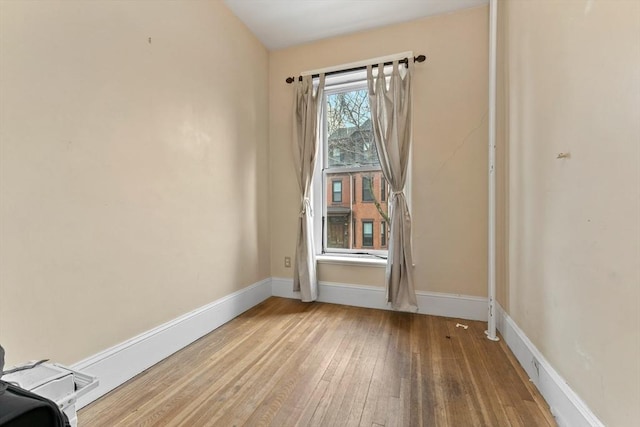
356,192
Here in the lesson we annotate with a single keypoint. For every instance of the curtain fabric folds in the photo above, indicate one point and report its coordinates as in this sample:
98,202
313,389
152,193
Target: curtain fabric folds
306,113
391,121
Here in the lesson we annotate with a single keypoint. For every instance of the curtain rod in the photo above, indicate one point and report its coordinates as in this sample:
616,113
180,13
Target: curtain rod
419,58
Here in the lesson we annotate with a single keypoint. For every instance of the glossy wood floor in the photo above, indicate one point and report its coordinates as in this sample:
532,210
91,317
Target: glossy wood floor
286,363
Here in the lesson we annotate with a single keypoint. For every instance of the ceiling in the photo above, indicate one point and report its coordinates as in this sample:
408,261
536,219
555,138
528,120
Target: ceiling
283,23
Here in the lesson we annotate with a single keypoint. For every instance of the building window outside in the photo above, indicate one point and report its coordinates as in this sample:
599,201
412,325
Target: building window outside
338,154
367,191
383,189
337,191
383,233
367,233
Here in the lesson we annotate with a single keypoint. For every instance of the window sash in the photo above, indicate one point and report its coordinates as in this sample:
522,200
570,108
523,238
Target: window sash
323,172
367,190
367,233
336,193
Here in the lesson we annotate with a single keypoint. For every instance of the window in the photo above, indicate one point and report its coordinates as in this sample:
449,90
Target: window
338,155
367,233
349,162
367,191
337,191
350,192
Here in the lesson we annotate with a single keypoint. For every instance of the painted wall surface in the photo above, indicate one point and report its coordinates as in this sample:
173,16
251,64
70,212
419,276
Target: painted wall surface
133,169
449,189
571,84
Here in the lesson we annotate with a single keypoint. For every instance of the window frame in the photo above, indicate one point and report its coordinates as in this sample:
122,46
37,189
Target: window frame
335,84
333,190
372,223
371,198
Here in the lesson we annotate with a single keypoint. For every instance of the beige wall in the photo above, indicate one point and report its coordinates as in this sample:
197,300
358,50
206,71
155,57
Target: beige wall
571,84
140,180
449,147
133,174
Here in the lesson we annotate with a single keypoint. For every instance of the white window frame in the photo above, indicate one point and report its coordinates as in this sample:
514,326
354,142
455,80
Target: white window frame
336,84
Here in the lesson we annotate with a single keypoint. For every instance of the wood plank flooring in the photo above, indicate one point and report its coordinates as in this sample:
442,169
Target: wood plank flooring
287,363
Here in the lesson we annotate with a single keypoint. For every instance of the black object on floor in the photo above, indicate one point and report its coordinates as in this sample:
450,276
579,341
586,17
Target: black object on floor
22,408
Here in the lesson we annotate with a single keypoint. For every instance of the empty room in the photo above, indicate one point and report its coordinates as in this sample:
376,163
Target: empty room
320,212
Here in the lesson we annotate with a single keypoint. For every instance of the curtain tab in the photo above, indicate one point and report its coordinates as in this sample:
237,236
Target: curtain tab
306,207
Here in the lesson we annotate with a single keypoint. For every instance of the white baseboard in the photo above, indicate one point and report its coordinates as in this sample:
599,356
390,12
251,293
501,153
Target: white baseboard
433,303
118,364
566,406
122,362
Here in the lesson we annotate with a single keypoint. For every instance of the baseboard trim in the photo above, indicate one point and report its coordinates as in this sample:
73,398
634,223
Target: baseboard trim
566,406
122,362
433,303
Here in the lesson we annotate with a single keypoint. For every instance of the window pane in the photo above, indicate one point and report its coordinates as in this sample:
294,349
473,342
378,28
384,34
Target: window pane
367,194
354,198
337,192
350,140
367,233
338,209
350,222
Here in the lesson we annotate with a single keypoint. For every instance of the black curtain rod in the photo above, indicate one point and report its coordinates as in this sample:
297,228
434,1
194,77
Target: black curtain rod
419,58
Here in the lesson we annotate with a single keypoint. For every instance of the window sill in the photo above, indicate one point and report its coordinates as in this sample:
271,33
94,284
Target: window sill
357,260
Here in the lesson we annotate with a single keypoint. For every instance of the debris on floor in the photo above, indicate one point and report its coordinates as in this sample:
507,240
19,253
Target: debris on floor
460,325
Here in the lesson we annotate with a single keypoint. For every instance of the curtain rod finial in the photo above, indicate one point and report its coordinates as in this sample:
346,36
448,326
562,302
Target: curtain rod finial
290,80
419,58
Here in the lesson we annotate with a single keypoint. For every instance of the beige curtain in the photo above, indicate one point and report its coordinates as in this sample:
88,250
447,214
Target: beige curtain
306,113
391,119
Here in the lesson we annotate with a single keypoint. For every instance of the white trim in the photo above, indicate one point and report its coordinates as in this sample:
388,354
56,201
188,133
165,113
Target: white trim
491,243
357,260
124,361
433,303
566,406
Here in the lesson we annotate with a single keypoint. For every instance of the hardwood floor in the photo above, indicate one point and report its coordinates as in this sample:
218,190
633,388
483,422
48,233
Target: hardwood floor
286,363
